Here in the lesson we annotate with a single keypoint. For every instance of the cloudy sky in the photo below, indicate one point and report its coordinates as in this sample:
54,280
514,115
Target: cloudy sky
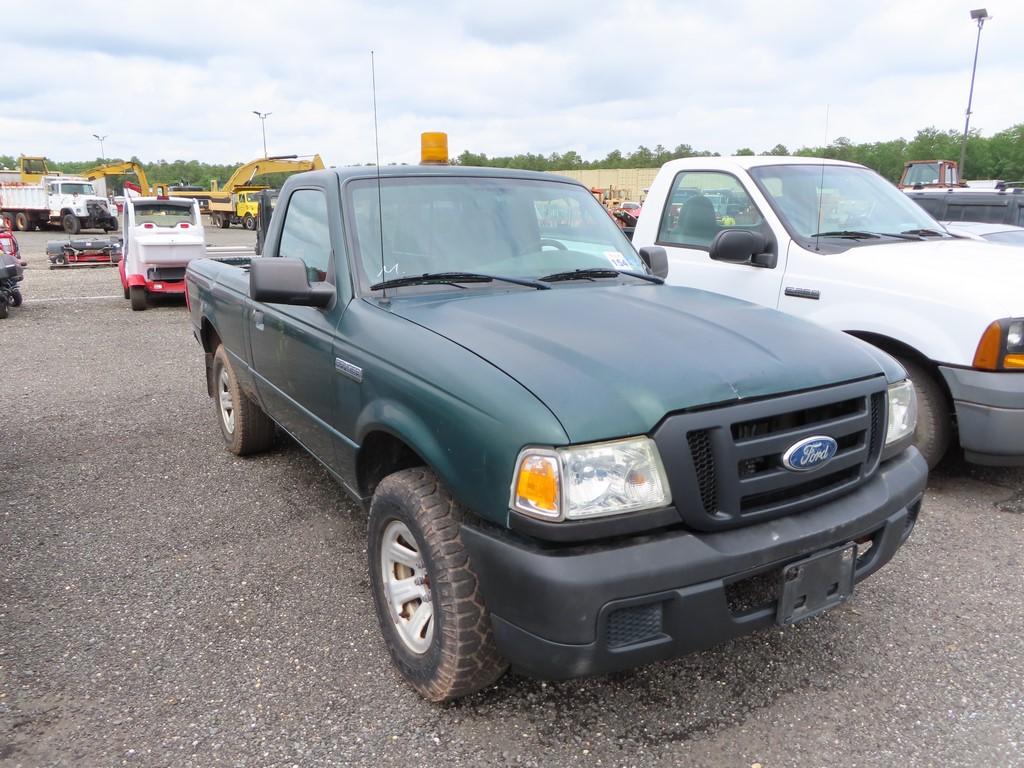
179,79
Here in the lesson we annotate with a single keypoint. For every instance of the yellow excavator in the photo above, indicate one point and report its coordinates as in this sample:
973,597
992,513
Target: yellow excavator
121,169
235,202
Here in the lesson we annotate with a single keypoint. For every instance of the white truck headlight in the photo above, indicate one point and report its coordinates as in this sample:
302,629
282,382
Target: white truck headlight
584,481
902,411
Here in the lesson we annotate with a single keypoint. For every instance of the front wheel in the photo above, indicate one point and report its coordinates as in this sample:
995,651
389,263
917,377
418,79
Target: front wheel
428,600
249,222
137,294
934,425
16,299
71,224
244,426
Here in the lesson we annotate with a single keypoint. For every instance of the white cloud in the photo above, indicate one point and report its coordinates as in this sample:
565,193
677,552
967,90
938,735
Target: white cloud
180,80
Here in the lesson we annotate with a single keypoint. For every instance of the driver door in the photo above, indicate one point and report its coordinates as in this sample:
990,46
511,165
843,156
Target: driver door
699,206
292,346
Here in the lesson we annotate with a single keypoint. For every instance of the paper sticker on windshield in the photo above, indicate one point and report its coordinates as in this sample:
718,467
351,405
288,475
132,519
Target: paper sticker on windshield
617,260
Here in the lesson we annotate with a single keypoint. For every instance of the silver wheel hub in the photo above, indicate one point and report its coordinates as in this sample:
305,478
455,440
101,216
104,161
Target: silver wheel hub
227,405
407,587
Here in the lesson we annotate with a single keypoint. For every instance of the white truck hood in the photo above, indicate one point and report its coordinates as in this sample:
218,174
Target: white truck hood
958,273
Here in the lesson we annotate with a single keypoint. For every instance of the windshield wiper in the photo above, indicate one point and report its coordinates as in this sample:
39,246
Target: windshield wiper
854,234
598,272
923,232
454,278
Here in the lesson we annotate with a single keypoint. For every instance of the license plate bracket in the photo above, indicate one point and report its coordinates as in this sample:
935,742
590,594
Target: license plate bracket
815,584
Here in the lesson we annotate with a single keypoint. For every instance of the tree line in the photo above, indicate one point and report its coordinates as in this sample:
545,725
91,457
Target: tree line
999,156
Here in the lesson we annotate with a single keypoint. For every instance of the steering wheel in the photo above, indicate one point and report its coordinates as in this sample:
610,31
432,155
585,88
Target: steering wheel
553,243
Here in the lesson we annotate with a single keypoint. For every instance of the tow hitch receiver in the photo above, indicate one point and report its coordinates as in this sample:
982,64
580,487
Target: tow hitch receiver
816,583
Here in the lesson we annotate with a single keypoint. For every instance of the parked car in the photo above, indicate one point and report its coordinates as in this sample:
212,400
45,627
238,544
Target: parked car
569,466
836,243
992,206
161,236
1002,234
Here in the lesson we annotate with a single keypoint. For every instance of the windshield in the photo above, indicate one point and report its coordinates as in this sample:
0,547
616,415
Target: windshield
77,189
835,198
163,214
508,227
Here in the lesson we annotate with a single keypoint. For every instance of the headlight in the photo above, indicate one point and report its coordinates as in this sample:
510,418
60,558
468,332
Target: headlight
1001,346
902,411
585,481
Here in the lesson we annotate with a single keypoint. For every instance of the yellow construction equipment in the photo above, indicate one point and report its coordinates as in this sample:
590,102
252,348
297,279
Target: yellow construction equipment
121,169
31,170
231,204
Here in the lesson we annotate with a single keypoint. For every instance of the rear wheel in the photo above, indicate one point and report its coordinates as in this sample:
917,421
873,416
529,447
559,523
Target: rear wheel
71,224
137,294
427,596
22,222
127,295
244,426
3,308
934,425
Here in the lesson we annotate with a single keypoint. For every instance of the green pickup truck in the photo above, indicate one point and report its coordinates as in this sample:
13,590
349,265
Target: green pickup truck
569,467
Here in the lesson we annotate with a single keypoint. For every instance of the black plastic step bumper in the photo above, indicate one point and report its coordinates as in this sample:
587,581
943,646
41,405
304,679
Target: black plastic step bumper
573,611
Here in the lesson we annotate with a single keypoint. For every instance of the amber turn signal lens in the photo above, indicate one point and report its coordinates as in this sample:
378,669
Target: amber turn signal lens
990,348
537,485
1013,361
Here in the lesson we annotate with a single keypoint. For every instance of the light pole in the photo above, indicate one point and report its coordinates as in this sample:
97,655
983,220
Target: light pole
979,15
100,140
263,122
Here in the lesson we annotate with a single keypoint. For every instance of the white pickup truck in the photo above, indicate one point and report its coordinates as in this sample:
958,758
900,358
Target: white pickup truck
835,243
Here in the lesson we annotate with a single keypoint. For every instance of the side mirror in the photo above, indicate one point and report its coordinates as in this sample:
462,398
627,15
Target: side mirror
742,246
284,281
656,259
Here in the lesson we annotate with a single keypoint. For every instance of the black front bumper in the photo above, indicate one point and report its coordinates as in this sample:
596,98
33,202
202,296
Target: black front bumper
567,612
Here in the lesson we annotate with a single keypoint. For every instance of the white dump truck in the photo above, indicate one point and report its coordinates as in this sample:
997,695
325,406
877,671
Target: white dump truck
68,201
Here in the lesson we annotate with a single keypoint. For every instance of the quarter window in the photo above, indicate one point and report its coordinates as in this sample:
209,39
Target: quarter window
702,204
306,234
991,214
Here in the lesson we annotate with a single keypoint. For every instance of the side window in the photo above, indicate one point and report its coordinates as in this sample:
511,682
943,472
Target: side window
306,233
930,204
702,204
994,213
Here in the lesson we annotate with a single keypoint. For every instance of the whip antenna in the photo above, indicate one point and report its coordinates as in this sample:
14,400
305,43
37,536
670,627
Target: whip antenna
817,224
380,206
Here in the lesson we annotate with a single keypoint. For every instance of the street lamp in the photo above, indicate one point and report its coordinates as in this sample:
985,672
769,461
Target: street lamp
100,140
979,15
263,122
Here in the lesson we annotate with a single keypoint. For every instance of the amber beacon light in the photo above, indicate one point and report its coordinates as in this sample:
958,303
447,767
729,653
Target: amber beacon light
434,148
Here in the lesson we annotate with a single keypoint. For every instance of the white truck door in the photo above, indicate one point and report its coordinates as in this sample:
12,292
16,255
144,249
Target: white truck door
699,205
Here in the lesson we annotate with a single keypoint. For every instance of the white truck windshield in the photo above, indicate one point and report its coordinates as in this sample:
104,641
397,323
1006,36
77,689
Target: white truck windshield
511,227
81,188
812,199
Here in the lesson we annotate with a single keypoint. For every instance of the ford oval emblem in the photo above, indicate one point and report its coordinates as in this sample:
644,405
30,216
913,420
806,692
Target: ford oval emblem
810,453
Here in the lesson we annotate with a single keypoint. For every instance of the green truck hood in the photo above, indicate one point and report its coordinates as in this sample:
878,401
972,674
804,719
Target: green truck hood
610,361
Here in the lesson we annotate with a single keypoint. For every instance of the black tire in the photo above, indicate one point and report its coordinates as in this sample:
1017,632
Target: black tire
249,222
462,657
7,219
127,294
71,224
3,309
111,227
251,430
140,300
17,299
224,221
22,222
934,426
61,259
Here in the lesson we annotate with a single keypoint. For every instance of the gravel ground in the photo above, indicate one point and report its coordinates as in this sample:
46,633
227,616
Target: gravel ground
164,603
